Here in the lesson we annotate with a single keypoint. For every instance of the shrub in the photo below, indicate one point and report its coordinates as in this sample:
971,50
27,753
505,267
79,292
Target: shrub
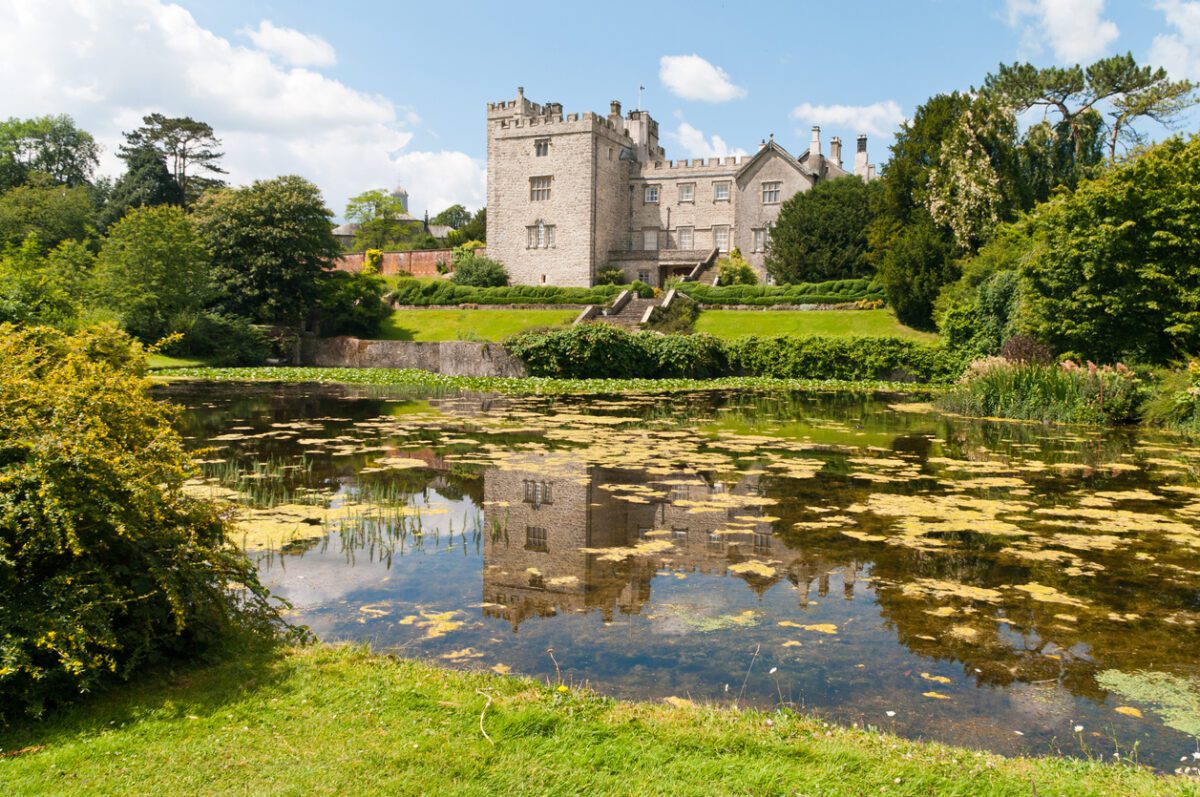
105,563
423,293
464,251
832,292
817,357
372,261
1175,400
1063,393
610,275
600,351
595,351
479,272
352,304
224,340
642,290
734,270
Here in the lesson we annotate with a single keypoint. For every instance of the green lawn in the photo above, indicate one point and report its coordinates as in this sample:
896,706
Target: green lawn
156,361
341,721
494,325
837,323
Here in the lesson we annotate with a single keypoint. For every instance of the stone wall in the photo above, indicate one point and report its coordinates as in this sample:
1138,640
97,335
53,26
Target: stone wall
450,357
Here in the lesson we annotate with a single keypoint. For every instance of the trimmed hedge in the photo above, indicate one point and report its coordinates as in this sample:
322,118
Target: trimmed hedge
602,351
423,293
831,292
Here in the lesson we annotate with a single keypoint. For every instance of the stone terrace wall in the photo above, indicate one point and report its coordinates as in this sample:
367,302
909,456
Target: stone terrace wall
450,357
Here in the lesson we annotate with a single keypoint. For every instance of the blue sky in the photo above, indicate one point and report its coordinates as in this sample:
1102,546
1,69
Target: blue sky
367,95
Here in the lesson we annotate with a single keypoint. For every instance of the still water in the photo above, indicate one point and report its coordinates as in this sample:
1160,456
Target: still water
1015,587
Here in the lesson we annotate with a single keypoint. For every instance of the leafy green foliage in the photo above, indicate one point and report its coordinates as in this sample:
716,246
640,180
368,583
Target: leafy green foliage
610,275
39,288
477,271
850,358
221,340
52,213
832,292
1174,400
735,270
1064,393
49,145
605,351
641,289
146,183
979,312
185,145
425,293
1115,269
821,234
455,216
372,261
270,243
381,219
105,563
352,304
152,268
464,251
913,269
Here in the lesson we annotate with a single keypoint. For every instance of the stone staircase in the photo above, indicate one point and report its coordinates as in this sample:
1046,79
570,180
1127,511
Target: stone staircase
631,314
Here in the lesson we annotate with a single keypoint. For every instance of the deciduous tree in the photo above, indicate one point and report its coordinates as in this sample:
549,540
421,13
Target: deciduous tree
821,234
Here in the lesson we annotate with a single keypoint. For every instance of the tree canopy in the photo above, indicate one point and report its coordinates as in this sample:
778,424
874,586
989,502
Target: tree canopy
381,220
821,234
455,216
51,145
187,147
270,242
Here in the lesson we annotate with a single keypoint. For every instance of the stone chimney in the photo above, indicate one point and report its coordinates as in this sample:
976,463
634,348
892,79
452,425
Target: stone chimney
814,148
614,116
861,167
835,150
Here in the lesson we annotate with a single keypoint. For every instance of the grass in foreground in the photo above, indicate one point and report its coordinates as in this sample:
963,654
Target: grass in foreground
157,361
326,720
411,377
833,323
494,325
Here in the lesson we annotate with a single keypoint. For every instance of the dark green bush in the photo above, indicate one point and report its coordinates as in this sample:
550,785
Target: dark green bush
603,351
105,563
832,292
610,276
641,289
595,351
816,357
352,304
224,340
479,272
422,293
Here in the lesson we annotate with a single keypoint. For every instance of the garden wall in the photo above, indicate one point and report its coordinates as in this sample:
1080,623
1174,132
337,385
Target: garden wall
450,357
419,263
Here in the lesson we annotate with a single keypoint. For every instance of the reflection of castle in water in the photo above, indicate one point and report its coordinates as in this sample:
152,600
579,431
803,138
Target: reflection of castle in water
547,517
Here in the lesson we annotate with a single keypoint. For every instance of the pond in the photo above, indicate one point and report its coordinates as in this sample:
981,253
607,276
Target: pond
1015,587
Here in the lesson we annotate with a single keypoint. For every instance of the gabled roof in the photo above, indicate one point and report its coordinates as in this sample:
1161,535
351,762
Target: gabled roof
830,170
767,150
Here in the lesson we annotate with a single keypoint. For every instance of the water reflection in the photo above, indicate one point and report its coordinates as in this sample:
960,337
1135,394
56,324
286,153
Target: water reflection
974,582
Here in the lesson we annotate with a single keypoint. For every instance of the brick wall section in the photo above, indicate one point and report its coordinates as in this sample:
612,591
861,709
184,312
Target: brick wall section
420,264
450,357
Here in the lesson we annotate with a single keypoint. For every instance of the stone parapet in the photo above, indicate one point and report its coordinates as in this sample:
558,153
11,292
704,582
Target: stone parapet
449,357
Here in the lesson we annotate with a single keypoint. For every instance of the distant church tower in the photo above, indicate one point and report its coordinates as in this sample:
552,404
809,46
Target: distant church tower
401,196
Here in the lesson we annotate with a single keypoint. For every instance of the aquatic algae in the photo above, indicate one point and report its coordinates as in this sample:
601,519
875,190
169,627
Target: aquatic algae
937,679
1041,592
935,695
753,567
820,628
1173,698
937,588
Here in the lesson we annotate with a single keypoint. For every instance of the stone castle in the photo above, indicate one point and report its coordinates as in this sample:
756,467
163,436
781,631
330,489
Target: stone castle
569,195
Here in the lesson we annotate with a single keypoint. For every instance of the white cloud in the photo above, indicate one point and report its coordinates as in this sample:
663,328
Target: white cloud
696,145
693,78
1179,52
879,118
1075,29
291,46
109,62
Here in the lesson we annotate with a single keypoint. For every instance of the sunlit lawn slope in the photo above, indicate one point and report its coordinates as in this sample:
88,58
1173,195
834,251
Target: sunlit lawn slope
837,323
413,324
341,721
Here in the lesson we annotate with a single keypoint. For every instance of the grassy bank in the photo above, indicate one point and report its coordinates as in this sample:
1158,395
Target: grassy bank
486,324
829,323
408,377
326,720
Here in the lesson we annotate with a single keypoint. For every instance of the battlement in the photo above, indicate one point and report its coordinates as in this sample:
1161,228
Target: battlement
697,164
550,124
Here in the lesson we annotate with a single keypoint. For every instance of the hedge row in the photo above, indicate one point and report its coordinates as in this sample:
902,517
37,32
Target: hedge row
423,293
595,351
831,292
